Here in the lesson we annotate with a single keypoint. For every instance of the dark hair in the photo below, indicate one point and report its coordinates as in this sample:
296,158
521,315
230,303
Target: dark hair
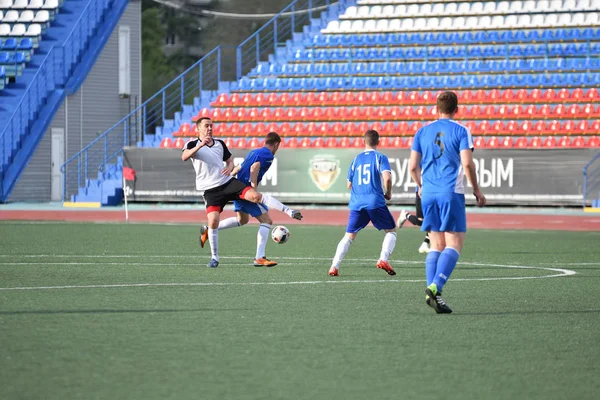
447,103
202,119
272,138
372,138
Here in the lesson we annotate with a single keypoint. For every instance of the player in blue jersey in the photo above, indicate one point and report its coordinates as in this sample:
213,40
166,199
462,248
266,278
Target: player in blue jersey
251,172
370,182
442,153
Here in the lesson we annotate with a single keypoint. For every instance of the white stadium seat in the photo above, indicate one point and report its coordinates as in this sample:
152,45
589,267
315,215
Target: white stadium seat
510,21
564,19
26,16
497,22
408,24
18,30
465,8
356,26
5,4
425,9
534,20
438,9
459,22
550,20
479,22
433,24
1,15
382,25
503,7
450,9
542,6
578,19
569,5
376,12
556,5
395,25
363,12
50,5
584,4
42,17
332,26
11,16
489,8
446,23
529,6
34,30
413,10
349,13
420,24
35,4
346,26
20,4
4,29
388,11
372,25
516,6
400,11
476,8
592,19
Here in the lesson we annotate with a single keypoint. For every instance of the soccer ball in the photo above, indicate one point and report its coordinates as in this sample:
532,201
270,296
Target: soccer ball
280,234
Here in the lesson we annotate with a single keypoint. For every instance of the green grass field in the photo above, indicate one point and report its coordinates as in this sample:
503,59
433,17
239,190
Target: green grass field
135,314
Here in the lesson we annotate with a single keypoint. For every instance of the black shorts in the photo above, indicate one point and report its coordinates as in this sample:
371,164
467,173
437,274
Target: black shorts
418,206
216,198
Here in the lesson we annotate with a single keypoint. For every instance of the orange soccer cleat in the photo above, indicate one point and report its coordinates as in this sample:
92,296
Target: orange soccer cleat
384,265
333,271
264,262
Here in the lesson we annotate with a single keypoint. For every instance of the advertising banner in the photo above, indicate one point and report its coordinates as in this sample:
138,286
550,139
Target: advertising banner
507,177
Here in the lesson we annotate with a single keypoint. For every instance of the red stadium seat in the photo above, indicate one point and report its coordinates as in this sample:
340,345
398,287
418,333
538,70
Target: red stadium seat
493,142
337,129
265,114
291,142
383,142
358,142
246,100
507,96
296,99
595,127
290,114
219,128
234,100
321,99
241,114
310,99
387,98
521,96
408,142
573,111
166,143
304,142
497,128
536,142
323,129
516,111
335,98
549,95
389,129
253,114
272,100
535,96
303,114
565,141
232,129
471,126
222,100
285,129
367,113
592,95
318,142
184,130
413,98
428,98
502,111
402,128
354,113
530,112
374,98
400,98
577,95
562,94
331,142
260,129
240,143
475,112
539,128
258,100
178,143
228,114
550,141
344,142
521,142
254,143
272,127
278,114
544,111
594,141
568,127
311,129
298,129
247,130
414,127
494,96
350,129
397,142
587,111
285,100
465,96
484,127
579,141
507,142
553,127
377,126
229,142
526,128
479,142
348,99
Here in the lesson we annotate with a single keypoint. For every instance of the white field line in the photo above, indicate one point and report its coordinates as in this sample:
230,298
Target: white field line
560,273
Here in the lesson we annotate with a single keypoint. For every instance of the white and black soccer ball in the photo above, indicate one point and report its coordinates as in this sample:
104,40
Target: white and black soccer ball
280,234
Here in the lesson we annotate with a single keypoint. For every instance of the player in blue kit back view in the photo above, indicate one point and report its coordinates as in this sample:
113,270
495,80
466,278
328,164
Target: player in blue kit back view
370,182
442,153
251,172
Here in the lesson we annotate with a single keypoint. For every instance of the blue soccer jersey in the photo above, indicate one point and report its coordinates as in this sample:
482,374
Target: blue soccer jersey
365,175
262,155
440,144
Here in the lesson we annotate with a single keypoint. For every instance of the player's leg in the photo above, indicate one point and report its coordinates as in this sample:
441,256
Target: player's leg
357,220
213,214
255,196
232,222
382,219
424,248
262,238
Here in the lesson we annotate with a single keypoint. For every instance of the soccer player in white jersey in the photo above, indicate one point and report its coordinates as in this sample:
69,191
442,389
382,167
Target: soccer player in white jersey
370,182
442,153
213,180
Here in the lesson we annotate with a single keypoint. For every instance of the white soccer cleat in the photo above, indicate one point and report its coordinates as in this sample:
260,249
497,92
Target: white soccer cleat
402,218
424,248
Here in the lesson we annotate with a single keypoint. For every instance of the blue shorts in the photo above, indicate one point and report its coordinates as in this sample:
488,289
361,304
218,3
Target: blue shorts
444,212
380,217
247,207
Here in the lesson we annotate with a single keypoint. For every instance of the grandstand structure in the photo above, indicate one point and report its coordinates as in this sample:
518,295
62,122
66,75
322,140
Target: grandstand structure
51,51
527,74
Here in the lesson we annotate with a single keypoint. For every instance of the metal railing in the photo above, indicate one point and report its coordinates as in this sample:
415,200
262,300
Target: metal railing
277,31
91,161
54,71
591,181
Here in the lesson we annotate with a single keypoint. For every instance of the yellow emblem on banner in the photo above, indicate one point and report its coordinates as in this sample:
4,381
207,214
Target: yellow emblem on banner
324,170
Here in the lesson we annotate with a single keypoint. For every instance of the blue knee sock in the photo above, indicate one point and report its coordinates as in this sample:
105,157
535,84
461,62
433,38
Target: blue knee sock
431,265
445,266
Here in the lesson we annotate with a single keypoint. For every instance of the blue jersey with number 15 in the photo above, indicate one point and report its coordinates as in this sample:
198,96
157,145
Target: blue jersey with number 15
365,175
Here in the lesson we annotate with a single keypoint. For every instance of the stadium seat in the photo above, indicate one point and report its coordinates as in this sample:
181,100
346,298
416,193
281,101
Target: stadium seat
304,142
166,143
550,141
593,141
565,141
507,142
536,142
493,142
178,143
579,141
344,142
521,142
240,143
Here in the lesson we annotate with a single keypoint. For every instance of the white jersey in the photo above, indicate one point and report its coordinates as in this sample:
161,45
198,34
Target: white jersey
208,164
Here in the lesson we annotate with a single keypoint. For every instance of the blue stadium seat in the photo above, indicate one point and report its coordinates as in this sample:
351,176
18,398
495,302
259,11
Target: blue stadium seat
25,44
10,44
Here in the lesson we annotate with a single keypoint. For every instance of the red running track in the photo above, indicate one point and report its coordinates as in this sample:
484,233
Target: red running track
311,217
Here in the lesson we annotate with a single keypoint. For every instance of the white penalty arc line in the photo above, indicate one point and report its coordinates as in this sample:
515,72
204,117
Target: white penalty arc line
561,273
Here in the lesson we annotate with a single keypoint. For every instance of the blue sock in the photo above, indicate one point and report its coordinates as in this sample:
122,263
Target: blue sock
431,265
445,266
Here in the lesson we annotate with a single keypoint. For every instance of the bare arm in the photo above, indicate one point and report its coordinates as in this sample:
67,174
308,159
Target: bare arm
387,184
228,166
254,168
414,166
186,154
466,159
349,184
236,170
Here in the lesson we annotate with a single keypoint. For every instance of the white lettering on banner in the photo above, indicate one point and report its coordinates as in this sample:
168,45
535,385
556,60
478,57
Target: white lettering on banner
270,176
496,174
400,174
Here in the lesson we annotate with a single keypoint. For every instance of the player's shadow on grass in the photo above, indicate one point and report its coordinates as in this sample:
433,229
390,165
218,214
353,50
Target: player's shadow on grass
50,312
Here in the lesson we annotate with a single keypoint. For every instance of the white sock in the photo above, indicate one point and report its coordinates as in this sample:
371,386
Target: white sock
213,238
272,202
261,240
231,222
389,242
341,251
